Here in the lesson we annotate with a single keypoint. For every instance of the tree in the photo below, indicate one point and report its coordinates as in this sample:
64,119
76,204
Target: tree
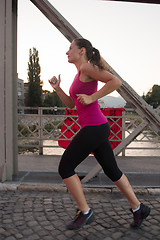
153,96
34,82
52,100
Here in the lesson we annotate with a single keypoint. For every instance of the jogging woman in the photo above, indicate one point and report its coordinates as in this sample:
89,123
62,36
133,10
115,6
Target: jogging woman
94,133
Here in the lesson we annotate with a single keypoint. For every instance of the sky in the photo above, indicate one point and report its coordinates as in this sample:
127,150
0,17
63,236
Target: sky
126,34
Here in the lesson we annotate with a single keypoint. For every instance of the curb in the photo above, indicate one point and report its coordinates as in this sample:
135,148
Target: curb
60,188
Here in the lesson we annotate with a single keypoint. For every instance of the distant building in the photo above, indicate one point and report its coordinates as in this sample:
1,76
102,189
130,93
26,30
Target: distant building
25,94
45,94
20,92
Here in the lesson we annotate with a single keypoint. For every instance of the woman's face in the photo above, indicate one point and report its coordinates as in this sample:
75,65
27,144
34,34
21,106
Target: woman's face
73,53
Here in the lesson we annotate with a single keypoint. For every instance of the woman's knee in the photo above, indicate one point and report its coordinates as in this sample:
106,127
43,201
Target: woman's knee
114,175
65,171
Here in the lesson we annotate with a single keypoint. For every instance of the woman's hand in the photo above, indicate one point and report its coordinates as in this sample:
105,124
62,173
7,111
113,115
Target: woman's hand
55,83
84,99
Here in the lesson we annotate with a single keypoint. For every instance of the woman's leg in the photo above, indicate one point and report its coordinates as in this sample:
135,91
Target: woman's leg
85,141
105,156
125,187
84,214
77,151
139,210
106,159
75,188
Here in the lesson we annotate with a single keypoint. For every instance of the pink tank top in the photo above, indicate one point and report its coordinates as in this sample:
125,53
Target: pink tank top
88,115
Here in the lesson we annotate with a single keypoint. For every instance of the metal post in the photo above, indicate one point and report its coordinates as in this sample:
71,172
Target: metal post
14,87
40,113
8,90
123,129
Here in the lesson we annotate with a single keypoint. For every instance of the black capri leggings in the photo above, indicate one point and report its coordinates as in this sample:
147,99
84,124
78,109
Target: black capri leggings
90,139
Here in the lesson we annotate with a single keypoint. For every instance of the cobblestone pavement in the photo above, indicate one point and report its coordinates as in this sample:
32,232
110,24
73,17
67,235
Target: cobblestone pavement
38,215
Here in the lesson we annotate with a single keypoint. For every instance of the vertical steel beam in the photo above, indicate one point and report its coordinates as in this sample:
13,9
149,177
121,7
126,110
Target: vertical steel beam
8,92
14,86
2,91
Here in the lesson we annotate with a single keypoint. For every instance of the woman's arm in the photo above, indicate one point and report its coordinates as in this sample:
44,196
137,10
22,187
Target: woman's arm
67,100
111,83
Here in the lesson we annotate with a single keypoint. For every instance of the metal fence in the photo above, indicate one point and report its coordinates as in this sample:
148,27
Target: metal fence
36,125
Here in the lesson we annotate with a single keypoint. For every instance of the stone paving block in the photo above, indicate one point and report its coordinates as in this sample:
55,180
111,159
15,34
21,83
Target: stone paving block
99,228
10,238
117,235
32,223
48,238
69,234
147,235
37,228
27,232
18,236
33,237
122,221
2,230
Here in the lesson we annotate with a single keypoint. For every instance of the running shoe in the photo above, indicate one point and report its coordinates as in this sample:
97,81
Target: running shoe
80,220
140,215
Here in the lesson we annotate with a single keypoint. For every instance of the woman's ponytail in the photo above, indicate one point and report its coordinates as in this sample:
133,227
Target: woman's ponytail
96,59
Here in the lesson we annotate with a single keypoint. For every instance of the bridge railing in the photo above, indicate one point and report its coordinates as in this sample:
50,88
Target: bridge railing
39,125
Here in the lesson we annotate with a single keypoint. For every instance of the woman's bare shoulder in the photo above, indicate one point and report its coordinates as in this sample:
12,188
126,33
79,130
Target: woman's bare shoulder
87,67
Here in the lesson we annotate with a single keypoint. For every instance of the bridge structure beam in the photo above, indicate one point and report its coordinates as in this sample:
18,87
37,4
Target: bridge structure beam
8,89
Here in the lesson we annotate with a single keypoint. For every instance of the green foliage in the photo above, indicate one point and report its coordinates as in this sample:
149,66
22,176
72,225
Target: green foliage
52,99
153,96
51,126
27,131
31,130
34,82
